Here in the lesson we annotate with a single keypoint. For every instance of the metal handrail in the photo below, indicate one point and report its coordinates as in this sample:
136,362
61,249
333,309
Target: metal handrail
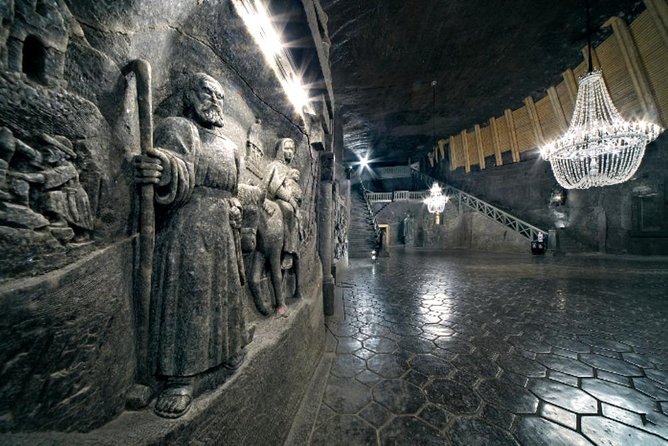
520,226
376,229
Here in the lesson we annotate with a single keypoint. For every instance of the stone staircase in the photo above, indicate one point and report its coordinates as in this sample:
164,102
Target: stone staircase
529,231
361,233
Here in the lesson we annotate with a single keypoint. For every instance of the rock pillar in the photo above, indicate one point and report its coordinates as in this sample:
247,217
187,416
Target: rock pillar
325,218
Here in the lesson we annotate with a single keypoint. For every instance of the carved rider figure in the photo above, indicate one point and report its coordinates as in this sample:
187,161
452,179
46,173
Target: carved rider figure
197,315
282,184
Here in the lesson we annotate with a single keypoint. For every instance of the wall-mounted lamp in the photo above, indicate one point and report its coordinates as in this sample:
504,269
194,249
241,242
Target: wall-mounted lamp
558,197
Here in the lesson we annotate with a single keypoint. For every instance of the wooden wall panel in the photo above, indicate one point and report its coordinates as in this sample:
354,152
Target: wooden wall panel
487,142
504,138
634,60
472,148
565,100
617,78
525,137
654,55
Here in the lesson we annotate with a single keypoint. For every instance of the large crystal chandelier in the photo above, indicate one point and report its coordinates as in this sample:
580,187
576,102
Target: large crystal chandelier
436,200
599,148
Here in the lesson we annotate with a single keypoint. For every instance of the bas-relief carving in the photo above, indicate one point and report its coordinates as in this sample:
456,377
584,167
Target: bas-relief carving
37,39
197,320
197,317
40,188
46,211
274,222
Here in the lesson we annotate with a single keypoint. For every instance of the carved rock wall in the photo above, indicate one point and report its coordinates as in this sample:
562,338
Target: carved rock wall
66,344
68,332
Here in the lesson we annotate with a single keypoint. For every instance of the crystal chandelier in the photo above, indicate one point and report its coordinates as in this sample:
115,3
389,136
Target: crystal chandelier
599,148
436,200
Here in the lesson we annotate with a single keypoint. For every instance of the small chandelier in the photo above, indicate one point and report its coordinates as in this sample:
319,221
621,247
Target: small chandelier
436,200
599,148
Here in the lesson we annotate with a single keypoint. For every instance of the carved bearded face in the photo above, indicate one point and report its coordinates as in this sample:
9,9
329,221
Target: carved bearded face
206,99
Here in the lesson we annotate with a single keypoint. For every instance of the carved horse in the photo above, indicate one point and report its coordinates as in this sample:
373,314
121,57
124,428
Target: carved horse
262,235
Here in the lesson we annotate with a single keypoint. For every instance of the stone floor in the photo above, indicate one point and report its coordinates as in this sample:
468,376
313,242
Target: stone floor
480,349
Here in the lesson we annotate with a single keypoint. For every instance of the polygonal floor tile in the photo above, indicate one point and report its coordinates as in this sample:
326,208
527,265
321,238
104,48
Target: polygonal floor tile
611,365
399,396
387,365
510,396
379,344
559,415
410,431
455,397
569,366
660,376
416,344
520,365
430,365
347,365
368,377
568,344
604,431
567,397
345,395
437,330
532,345
476,365
607,344
435,416
620,396
469,432
638,360
342,328
540,432
375,414
453,345
347,345
497,417
491,344
344,430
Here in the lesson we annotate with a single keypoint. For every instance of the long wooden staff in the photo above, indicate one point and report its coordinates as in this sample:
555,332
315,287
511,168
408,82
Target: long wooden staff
142,71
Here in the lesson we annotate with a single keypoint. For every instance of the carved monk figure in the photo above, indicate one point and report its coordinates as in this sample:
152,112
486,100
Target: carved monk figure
197,318
282,184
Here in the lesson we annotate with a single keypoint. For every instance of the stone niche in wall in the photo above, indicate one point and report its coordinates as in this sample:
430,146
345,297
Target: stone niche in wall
87,348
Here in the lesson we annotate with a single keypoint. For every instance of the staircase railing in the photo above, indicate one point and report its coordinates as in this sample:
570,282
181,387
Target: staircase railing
376,229
521,227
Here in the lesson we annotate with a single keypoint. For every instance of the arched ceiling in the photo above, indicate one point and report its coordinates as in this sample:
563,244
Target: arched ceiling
485,56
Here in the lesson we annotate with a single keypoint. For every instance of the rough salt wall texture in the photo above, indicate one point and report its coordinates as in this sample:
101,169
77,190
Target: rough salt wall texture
609,219
255,406
70,367
66,344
